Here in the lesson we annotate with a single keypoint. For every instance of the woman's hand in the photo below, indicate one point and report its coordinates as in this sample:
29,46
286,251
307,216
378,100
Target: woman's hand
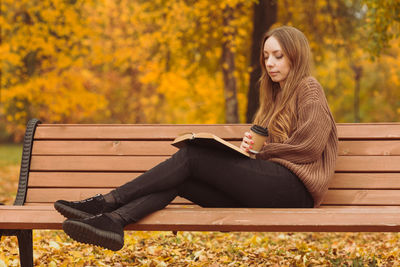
247,142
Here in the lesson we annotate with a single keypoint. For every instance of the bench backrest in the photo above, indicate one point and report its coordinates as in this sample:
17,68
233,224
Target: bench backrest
77,161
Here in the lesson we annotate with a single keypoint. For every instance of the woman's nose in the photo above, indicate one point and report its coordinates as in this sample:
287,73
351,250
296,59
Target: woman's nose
269,62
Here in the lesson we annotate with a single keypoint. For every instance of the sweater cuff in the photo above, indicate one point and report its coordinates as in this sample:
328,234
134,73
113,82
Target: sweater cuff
263,154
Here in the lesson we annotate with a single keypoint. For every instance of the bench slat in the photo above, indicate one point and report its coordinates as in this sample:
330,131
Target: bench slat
131,148
47,205
143,163
50,195
369,148
164,131
333,197
206,219
368,130
114,179
175,203
135,131
93,163
123,148
368,164
80,179
365,181
362,197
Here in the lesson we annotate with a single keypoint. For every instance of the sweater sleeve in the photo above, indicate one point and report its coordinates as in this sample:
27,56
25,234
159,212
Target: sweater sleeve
308,141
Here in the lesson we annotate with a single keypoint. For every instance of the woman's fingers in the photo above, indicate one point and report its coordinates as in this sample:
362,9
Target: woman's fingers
243,146
248,135
247,143
248,138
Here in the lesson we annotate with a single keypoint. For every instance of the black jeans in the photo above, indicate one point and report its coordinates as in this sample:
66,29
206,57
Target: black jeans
211,178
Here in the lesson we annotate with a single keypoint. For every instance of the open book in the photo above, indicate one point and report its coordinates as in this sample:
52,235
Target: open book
209,140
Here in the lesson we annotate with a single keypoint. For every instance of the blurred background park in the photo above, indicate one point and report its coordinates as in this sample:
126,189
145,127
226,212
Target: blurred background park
188,61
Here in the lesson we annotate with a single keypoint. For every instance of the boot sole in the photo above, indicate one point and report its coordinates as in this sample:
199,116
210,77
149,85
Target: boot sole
88,234
71,213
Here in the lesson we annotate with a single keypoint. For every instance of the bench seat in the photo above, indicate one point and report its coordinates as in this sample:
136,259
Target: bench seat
73,162
371,219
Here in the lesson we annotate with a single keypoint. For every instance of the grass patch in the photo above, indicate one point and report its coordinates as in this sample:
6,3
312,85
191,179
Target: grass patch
10,161
10,154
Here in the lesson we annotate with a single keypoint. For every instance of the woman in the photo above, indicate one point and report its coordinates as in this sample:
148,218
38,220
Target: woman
292,170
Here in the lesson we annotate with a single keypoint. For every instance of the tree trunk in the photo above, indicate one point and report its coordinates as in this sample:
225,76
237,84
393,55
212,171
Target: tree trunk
1,42
357,78
228,68
265,15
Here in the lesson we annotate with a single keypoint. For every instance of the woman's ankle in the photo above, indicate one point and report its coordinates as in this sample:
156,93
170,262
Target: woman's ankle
109,198
117,218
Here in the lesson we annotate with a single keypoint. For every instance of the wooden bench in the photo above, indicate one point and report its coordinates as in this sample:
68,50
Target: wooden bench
77,161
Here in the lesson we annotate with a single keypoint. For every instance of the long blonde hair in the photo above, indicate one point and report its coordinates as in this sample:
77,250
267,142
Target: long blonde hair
280,116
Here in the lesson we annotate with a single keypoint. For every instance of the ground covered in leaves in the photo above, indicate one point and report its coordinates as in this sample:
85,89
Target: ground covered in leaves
54,248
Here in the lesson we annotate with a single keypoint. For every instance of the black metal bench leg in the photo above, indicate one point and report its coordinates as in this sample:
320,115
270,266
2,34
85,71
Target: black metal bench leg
25,244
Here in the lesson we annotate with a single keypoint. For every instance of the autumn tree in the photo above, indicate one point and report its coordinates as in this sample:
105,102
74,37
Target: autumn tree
43,61
264,16
124,61
340,41
382,23
228,67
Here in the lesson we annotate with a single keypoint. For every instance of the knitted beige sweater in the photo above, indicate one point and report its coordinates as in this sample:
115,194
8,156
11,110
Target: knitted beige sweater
311,150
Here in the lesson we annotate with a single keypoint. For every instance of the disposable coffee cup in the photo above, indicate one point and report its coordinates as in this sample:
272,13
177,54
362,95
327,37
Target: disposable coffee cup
259,136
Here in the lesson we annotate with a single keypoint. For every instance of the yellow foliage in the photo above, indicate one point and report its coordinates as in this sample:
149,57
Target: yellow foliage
84,61
160,61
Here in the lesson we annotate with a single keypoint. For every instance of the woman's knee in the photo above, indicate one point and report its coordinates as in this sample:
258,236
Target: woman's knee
189,152
189,149
196,152
183,152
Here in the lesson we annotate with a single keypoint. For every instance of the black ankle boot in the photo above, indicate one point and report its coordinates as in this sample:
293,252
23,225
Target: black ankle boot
84,208
100,230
